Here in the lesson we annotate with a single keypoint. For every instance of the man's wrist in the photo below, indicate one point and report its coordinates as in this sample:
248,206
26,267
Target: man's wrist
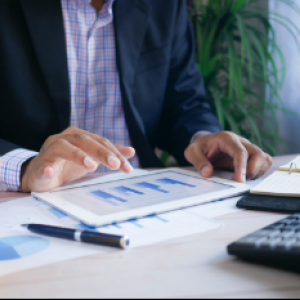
11,168
23,186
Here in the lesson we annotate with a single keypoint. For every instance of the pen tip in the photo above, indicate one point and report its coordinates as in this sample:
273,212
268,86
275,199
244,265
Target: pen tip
25,225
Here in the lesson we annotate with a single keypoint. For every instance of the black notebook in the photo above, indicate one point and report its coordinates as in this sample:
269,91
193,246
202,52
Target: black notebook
286,205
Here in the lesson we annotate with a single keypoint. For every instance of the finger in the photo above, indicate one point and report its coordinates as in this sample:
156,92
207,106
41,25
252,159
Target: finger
267,163
110,162
259,162
254,166
48,173
125,166
62,149
127,152
94,149
195,155
239,154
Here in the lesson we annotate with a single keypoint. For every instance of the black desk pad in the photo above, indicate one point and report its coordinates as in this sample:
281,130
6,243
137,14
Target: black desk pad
270,203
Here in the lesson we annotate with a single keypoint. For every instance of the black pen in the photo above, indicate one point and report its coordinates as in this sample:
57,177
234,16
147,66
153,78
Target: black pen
80,235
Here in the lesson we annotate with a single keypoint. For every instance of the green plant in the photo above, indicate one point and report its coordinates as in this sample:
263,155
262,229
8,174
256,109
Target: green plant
236,50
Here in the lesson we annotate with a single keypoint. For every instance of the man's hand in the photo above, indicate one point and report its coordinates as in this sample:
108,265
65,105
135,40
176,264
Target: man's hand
69,156
227,151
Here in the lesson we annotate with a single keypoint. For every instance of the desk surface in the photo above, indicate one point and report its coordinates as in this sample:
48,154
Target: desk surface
194,266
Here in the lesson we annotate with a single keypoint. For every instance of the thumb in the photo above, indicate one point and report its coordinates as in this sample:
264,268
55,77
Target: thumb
200,161
204,167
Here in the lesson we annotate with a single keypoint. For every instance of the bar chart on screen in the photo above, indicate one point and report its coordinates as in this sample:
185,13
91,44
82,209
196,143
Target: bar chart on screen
138,192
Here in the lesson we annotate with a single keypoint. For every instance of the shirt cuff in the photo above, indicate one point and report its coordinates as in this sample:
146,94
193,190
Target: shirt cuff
199,133
10,169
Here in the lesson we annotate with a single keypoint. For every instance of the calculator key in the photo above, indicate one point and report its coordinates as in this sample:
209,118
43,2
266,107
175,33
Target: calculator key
287,221
286,243
265,233
295,224
297,235
291,227
251,241
270,243
296,246
286,234
275,233
275,227
287,229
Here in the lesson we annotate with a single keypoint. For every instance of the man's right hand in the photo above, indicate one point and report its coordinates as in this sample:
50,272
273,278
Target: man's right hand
69,156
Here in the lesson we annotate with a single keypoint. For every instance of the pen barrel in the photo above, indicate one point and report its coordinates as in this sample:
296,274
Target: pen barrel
62,233
81,236
105,240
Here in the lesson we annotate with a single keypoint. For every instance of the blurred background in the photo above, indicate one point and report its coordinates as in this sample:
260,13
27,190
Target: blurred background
290,90
249,54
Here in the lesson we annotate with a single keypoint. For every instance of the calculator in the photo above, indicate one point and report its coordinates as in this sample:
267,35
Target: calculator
277,245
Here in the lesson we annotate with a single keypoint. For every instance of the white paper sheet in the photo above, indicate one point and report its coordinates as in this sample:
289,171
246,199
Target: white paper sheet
280,183
295,166
28,210
31,251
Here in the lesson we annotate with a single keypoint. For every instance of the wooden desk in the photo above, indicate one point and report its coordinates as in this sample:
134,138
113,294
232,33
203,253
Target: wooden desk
194,266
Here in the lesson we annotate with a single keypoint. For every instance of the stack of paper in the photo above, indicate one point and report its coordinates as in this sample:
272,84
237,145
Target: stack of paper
21,250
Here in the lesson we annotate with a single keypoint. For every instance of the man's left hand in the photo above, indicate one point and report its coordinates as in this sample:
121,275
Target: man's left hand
227,151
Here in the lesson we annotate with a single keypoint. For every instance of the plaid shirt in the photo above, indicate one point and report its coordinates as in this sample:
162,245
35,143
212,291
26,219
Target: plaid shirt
94,83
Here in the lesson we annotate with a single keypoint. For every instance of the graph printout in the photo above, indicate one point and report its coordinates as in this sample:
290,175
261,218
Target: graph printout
134,193
16,247
20,250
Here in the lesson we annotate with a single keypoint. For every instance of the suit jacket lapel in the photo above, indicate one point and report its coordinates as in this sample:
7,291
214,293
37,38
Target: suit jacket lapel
131,21
45,24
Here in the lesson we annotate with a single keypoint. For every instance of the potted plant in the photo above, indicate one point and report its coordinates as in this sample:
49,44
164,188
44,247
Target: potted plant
236,50
236,54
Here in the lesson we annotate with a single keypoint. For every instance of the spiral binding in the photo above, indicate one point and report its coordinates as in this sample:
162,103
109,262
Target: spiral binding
291,167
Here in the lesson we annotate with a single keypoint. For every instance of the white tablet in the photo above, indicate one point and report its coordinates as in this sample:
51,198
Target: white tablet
135,197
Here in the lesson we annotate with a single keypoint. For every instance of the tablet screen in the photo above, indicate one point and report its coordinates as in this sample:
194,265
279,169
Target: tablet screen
134,193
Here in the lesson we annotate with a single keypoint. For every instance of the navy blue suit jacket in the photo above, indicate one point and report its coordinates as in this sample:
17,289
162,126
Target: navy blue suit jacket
162,90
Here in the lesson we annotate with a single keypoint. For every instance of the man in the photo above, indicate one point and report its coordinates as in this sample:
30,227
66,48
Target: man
121,73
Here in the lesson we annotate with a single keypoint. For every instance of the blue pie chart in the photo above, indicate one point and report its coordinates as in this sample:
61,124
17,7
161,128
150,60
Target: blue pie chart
16,247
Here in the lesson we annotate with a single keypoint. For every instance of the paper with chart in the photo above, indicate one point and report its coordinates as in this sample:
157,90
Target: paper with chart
21,250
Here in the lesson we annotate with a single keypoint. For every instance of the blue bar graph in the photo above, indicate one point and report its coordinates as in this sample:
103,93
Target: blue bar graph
171,181
126,191
135,223
151,186
57,213
87,228
106,196
116,225
155,216
215,201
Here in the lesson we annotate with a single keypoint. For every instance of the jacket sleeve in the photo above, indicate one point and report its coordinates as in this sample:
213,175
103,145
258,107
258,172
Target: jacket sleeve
6,147
12,158
186,110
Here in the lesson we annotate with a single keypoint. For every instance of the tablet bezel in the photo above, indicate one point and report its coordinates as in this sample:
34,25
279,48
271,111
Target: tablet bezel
93,220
